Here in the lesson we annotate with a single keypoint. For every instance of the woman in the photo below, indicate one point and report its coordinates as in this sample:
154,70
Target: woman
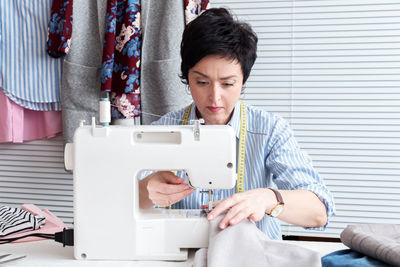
218,53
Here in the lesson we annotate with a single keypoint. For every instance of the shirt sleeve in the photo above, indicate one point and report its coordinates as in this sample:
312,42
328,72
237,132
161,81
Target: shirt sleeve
292,168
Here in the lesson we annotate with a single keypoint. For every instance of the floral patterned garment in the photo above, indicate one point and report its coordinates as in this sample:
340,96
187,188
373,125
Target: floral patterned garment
121,57
60,28
193,8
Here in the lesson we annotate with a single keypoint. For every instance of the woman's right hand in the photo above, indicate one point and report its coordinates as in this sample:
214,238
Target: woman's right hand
162,188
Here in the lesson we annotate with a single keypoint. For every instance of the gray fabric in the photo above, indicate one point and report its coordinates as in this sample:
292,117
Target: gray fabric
245,245
380,241
80,85
161,88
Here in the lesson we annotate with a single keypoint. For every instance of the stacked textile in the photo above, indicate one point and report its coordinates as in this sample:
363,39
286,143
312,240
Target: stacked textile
381,242
14,220
17,222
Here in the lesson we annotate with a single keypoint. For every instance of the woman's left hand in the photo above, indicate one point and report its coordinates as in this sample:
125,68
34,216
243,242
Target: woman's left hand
252,204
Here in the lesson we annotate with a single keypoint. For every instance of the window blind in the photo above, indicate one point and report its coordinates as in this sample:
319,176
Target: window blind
332,69
33,172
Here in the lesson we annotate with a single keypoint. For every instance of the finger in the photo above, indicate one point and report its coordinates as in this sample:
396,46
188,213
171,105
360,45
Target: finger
205,206
161,200
222,206
168,200
179,196
234,215
240,216
172,178
158,199
169,189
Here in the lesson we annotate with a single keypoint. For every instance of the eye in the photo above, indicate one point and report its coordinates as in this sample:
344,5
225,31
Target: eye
201,82
228,84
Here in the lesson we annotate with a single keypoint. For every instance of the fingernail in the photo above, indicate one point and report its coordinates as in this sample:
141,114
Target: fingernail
232,221
210,217
222,226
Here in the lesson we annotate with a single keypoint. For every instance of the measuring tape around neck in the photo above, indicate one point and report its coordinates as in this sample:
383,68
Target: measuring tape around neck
186,115
242,143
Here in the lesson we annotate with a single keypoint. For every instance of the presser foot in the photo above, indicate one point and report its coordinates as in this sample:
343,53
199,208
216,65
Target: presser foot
209,207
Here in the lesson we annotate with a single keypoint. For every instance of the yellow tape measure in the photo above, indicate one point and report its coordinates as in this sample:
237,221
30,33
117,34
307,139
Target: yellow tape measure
242,148
242,143
186,115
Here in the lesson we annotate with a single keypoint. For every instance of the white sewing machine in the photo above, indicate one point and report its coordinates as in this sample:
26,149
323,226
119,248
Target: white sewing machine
106,160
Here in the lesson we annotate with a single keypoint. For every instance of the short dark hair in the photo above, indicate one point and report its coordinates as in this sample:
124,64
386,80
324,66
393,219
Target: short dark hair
217,32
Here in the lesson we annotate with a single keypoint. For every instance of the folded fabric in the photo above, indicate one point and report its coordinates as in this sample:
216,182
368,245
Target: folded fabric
350,258
15,220
380,241
53,224
245,245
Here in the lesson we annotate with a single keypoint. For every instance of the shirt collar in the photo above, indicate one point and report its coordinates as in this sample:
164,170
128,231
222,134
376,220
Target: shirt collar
234,121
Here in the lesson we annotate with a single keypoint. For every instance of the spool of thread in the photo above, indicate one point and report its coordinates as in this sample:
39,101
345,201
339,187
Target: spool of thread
105,111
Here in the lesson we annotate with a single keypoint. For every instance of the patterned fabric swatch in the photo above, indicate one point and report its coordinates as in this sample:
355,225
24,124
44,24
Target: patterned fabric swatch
60,28
193,8
121,57
14,220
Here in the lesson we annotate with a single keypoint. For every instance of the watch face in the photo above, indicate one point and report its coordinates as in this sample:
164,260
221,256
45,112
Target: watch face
277,211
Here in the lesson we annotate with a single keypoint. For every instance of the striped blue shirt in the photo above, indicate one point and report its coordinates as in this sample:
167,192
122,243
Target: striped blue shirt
273,159
28,76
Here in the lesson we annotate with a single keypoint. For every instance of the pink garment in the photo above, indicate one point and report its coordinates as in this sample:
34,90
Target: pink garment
53,224
18,124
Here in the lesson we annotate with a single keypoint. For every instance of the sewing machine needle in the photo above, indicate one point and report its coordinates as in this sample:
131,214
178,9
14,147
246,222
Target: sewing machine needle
210,200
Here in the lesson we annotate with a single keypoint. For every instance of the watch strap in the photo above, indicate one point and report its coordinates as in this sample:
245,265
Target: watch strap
278,195
277,209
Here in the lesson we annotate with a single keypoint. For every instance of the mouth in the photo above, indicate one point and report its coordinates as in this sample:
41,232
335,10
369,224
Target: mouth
214,109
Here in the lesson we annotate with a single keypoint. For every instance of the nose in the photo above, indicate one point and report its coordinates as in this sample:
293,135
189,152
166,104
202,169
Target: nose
215,93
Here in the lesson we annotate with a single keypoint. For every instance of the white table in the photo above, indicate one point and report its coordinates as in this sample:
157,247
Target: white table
49,253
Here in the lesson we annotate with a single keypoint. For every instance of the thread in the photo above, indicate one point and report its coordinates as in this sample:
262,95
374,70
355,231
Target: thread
147,113
105,111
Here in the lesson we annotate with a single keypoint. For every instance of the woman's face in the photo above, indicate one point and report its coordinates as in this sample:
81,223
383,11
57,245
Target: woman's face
215,84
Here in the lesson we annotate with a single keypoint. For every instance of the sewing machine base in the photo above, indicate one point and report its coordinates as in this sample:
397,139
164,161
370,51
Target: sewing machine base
172,232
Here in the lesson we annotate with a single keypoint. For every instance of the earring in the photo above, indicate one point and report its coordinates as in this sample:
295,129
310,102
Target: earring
187,89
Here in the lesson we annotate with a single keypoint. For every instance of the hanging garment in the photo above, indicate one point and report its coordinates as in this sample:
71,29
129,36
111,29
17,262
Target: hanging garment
161,88
193,8
28,76
18,124
80,86
60,28
121,56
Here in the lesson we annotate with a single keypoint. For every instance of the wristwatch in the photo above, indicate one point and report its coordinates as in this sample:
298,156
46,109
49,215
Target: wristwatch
278,208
